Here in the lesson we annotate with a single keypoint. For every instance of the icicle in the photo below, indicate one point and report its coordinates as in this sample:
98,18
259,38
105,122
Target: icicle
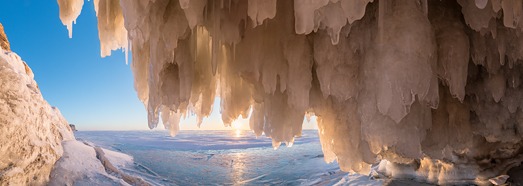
69,11
126,53
184,4
215,38
276,144
481,3
425,6
381,18
112,32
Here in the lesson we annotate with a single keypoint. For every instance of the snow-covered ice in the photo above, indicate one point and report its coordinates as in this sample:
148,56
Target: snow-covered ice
79,166
220,157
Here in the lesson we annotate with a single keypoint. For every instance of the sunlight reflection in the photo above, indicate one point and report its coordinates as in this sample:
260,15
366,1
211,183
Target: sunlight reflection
238,168
238,133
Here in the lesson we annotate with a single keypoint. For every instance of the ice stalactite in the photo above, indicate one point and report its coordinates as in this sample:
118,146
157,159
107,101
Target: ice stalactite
259,10
69,11
111,30
452,50
432,88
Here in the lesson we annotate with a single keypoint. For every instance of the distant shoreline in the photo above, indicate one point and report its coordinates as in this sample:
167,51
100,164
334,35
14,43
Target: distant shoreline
155,130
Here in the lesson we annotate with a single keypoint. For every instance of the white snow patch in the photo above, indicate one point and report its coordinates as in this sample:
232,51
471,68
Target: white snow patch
79,166
358,179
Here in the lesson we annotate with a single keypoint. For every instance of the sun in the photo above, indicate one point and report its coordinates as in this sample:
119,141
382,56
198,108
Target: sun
238,132
236,126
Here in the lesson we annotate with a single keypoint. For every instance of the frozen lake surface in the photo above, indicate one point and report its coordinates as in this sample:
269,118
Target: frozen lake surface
222,158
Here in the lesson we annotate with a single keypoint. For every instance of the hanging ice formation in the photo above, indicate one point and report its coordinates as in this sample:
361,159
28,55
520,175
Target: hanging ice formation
433,87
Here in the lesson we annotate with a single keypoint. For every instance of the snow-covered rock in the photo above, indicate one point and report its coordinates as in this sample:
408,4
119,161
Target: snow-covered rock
4,42
82,164
31,130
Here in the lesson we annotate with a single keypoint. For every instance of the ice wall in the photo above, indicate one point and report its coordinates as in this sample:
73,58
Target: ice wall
432,87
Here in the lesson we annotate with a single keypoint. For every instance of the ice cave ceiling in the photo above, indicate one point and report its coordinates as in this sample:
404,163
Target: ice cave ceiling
434,85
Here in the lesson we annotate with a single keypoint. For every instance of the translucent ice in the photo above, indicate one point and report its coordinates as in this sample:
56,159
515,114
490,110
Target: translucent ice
69,11
111,30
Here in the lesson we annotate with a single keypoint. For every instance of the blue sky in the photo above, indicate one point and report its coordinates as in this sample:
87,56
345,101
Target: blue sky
93,93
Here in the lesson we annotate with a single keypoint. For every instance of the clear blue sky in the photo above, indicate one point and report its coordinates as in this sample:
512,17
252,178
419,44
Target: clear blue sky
93,93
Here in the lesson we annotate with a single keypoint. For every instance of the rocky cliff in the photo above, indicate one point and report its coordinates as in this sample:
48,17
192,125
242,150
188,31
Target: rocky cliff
31,130
4,43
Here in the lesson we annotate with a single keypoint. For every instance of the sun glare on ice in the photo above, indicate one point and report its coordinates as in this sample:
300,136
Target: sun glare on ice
238,132
236,126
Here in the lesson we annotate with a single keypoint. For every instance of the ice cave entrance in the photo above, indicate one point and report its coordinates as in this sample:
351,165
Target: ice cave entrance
239,126
433,87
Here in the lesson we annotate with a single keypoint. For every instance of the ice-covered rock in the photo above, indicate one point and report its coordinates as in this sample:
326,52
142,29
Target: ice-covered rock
82,164
32,130
432,87
73,127
4,43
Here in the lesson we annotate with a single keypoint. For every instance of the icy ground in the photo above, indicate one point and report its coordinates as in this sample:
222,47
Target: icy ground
220,158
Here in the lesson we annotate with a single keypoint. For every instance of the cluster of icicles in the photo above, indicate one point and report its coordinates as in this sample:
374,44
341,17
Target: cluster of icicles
433,87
